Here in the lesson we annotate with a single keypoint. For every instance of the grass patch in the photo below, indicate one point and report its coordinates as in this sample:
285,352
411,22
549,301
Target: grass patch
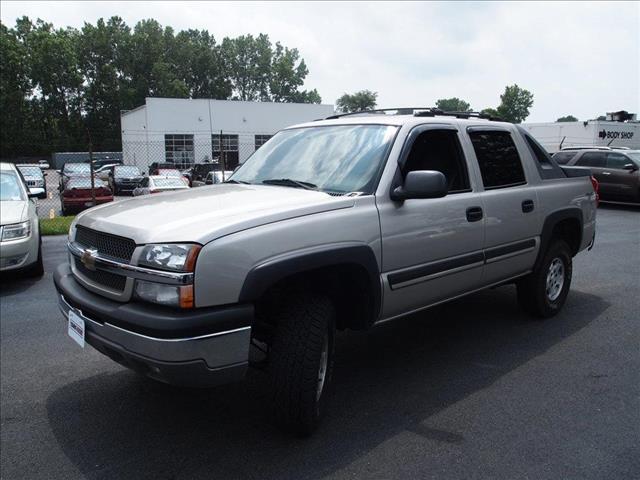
56,225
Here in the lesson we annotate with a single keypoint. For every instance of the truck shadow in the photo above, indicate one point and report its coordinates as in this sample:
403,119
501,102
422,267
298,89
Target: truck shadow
388,380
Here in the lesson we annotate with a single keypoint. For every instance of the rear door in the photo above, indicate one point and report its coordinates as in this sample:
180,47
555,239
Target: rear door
597,162
509,201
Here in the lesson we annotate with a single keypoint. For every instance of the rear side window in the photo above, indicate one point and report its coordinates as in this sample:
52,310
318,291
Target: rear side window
562,158
592,159
498,159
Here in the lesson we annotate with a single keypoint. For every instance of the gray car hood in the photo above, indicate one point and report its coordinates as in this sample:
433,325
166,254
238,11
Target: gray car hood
206,213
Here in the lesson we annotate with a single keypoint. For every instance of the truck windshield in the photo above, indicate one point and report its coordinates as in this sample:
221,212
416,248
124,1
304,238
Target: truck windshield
336,159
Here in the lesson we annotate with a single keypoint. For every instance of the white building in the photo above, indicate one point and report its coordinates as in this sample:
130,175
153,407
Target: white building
186,131
555,135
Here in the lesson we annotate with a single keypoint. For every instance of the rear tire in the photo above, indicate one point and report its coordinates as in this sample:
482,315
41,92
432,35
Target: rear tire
301,362
543,292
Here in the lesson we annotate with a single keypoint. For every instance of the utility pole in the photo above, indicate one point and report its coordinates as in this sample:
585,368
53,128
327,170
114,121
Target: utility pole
222,159
93,186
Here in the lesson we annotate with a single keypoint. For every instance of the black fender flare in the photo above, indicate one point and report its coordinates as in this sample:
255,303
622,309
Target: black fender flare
550,223
263,276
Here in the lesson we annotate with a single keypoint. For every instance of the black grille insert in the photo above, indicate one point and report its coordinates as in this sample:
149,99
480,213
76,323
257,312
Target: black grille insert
106,279
111,245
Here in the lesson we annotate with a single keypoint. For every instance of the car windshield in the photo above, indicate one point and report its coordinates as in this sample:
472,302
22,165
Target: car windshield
127,171
10,189
31,171
84,182
337,159
77,168
168,182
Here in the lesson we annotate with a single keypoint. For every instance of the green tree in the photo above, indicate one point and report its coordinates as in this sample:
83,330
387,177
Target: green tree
515,103
357,102
492,112
453,105
249,63
567,118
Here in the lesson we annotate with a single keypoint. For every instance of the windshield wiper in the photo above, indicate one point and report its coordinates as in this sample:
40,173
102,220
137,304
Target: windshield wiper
288,182
237,181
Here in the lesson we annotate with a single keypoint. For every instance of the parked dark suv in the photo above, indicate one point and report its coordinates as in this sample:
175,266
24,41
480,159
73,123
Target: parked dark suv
124,178
617,171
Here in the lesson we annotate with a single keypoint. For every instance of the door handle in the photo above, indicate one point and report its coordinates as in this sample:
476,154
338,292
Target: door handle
606,173
527,206
474,214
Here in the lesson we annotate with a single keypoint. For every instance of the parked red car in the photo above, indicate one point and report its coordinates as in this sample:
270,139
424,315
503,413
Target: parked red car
76,195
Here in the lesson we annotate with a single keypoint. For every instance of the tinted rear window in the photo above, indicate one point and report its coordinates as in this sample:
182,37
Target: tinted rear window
498,159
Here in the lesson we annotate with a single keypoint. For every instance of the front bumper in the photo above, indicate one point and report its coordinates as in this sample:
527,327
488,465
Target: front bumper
15,254
201,347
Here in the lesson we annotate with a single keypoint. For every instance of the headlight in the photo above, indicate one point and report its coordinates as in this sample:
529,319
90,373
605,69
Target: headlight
165,294
179,257
16,231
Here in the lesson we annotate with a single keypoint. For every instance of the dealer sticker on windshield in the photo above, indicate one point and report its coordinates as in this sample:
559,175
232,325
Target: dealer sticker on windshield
76,328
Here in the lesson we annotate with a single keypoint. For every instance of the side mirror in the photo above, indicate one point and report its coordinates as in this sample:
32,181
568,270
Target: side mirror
35,192
631,166
421,184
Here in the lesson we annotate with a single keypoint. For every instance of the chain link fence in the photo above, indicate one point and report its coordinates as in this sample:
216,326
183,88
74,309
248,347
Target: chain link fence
195,155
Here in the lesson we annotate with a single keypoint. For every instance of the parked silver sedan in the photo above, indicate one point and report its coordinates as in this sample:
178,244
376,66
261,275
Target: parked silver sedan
20,248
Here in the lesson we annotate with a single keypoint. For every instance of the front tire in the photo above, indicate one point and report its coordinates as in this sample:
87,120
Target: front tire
301,362
543,292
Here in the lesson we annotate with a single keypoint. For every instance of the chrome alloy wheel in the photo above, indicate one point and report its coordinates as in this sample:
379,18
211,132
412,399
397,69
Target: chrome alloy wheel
555,279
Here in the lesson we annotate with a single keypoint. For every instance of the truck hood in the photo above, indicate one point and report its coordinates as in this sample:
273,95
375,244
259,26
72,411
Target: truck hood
206,213
12,211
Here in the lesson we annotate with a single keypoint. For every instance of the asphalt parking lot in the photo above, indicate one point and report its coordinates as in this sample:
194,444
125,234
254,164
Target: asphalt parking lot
470,389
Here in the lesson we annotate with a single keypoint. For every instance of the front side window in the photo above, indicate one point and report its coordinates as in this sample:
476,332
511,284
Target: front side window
498,159
440,150
336,159
592,159
179,150
617,160
10,188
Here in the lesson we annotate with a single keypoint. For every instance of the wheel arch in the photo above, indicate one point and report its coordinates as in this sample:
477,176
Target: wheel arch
565,224
345,273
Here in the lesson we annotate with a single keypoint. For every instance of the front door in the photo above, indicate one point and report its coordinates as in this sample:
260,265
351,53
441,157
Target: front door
622,184
431,248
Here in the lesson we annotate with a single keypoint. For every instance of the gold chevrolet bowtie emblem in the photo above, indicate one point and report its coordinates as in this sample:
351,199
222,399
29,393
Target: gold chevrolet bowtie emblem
88,258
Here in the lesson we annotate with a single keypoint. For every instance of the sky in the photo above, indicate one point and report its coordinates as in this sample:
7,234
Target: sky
578,58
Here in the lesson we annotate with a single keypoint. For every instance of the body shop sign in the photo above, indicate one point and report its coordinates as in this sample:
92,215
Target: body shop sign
612,134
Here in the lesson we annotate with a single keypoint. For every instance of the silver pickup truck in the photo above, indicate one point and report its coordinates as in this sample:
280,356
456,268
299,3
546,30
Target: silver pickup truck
342,223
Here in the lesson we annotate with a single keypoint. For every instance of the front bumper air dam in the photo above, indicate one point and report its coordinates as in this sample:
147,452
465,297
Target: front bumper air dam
202,358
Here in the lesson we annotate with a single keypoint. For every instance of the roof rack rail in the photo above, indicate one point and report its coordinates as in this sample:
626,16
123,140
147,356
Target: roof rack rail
418,112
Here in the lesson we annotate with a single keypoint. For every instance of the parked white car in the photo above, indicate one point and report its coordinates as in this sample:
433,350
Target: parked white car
20,245
158,184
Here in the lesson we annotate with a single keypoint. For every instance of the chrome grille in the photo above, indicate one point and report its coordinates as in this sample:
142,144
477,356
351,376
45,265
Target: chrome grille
106,279
111,245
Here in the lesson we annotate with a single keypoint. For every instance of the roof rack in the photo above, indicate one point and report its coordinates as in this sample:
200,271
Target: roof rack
418,112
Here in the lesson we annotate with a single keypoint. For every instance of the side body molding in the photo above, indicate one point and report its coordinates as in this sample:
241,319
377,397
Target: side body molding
266,274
